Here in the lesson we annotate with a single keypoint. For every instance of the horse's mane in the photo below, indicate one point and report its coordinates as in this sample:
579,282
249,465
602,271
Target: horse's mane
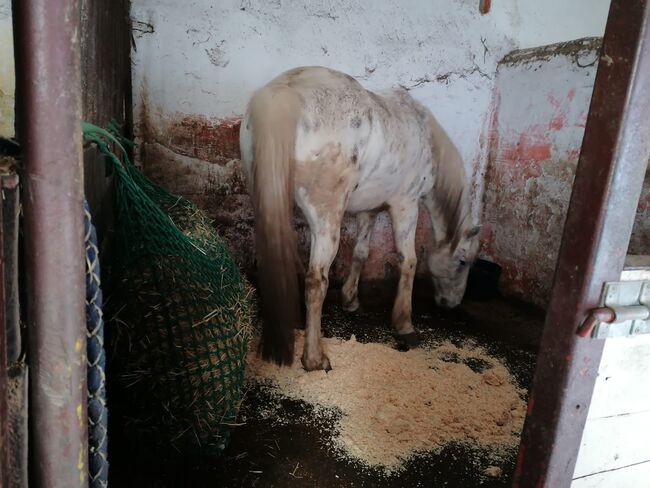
450,192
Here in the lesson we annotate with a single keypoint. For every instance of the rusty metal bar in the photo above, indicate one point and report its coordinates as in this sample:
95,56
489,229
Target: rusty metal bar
49,129
4,378
13,398
10,204
606,192
600,314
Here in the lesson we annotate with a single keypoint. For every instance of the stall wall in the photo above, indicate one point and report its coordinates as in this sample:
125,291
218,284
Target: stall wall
541,101
532,23
196,63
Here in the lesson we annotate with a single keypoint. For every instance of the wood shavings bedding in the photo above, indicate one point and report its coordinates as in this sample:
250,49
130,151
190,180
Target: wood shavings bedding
395,404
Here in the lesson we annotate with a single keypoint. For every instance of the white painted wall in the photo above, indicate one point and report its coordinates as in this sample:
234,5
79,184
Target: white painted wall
207,57
531,23
541,101
204,57
7,82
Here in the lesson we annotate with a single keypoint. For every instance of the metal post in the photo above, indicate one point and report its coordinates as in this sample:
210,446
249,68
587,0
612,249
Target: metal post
4,379
606,192
49,129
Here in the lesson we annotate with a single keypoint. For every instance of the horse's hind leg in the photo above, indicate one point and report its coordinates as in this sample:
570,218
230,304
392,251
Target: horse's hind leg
324,244
404,217
360,254
323,204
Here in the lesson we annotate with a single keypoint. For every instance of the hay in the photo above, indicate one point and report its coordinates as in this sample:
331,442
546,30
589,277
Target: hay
180,318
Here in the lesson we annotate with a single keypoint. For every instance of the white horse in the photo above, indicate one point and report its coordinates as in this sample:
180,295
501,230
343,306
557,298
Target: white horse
317,136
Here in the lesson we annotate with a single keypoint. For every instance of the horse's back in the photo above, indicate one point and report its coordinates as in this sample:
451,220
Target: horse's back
385,135
309,77
331,102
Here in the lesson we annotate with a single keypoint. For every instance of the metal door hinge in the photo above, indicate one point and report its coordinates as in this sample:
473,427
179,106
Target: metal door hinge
624,311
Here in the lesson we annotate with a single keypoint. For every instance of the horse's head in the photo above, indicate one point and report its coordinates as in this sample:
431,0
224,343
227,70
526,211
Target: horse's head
449,266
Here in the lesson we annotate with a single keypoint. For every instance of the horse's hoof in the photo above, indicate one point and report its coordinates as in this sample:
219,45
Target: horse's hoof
408,341
352,306
316,364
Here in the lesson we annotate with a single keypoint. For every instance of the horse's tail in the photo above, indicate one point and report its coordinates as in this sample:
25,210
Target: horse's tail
273,117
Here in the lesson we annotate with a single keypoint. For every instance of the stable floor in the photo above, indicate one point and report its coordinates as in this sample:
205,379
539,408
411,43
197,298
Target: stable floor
295,454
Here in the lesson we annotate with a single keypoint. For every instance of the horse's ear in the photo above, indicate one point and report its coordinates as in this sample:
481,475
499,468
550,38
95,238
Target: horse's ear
473,232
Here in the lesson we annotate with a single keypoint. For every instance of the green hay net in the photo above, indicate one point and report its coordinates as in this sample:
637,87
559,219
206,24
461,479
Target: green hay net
181,316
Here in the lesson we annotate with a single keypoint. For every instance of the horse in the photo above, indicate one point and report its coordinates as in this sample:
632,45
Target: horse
316,137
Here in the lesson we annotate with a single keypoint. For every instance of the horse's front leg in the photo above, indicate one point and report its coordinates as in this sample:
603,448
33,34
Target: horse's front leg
350,289
404,216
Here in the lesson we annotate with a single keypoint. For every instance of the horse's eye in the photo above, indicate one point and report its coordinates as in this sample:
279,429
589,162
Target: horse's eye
463,262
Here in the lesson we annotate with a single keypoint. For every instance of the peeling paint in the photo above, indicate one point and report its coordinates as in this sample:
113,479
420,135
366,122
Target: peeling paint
589,47
535,143
197,136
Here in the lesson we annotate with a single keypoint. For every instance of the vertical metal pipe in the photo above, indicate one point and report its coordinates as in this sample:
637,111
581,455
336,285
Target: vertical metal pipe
606,192
49,108
4,379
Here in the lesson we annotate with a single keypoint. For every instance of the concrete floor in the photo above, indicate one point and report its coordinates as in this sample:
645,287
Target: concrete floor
294,455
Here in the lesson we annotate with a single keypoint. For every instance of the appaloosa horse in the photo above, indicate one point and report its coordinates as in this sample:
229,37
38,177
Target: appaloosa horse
317,136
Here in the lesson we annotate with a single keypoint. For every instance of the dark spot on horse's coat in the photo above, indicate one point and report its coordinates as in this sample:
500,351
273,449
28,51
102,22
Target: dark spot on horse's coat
315,277
355,123
355,155
355,152
356,186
